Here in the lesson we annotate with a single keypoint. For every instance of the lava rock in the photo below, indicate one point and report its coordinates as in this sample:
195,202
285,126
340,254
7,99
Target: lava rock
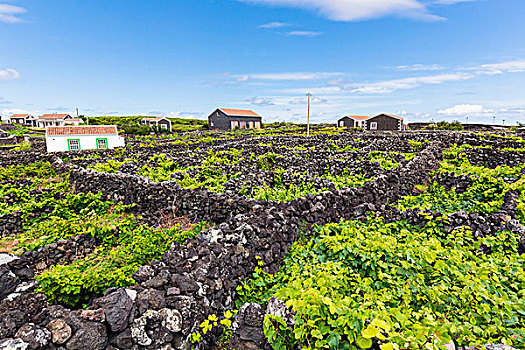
118,308
60,331
36,337
8,281
13,344
92,336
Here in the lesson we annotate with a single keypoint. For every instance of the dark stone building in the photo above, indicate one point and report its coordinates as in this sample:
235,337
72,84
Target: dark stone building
230,119
384,122
161,122
352,121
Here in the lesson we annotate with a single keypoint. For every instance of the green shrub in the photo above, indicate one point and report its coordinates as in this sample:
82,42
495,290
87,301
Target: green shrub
113,264
402,286
443,125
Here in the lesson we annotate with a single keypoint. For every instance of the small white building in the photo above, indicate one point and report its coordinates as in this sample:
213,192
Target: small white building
52,120
80,138
22,120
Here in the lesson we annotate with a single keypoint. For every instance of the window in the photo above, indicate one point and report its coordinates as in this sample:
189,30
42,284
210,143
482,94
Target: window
163,126
73,145
243,125
373,126
250,125
102,143
257,125
234,124
341,123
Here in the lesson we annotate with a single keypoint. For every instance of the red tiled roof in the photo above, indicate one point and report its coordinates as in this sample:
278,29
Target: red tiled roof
358,117
390,115
81,130
153,119
239,112
20,116
53,116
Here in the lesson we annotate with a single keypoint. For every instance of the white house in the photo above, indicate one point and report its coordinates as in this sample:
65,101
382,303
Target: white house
22,119
79,138
56,120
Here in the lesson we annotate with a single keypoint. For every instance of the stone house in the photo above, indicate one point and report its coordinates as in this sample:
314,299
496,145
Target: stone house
352,121
384,122
230,119
163,123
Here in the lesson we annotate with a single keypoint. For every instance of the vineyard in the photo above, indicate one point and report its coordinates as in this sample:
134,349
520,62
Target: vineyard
266,239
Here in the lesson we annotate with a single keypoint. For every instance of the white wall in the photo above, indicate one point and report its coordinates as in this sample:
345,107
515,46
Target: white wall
60,144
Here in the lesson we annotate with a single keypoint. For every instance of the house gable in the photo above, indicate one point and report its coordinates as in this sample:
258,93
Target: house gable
384,122
229,118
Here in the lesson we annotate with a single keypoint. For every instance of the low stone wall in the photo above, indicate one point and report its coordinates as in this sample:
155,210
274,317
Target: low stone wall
175,294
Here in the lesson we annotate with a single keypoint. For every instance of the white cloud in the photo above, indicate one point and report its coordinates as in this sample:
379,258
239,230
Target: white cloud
354,10
421,67
259,101
451,2
318,90
516,66
284,76
296,76
9,74
304,100
273,25
389,86
304,33
7,112
464,109
336,84
8,13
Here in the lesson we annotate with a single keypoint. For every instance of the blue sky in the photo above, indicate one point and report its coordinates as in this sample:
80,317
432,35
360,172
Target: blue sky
422,59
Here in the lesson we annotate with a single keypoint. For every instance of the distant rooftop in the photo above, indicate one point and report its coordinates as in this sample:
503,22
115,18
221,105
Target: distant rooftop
53,116
358,117
239,112
81,130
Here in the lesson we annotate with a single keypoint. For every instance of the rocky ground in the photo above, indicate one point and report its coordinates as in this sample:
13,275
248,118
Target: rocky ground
174,295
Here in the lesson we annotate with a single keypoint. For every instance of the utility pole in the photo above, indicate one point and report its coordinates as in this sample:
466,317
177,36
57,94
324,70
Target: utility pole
77,113
308,120
494,120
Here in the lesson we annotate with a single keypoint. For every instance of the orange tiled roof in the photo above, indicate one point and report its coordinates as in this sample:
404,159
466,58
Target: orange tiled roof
20,116
390,115
358,117
239,112
81,130
153,119
53,116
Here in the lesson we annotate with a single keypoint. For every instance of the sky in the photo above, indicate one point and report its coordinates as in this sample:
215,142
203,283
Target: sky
425,60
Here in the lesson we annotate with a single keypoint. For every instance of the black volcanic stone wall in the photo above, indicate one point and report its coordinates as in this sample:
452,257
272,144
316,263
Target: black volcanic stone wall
174,295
